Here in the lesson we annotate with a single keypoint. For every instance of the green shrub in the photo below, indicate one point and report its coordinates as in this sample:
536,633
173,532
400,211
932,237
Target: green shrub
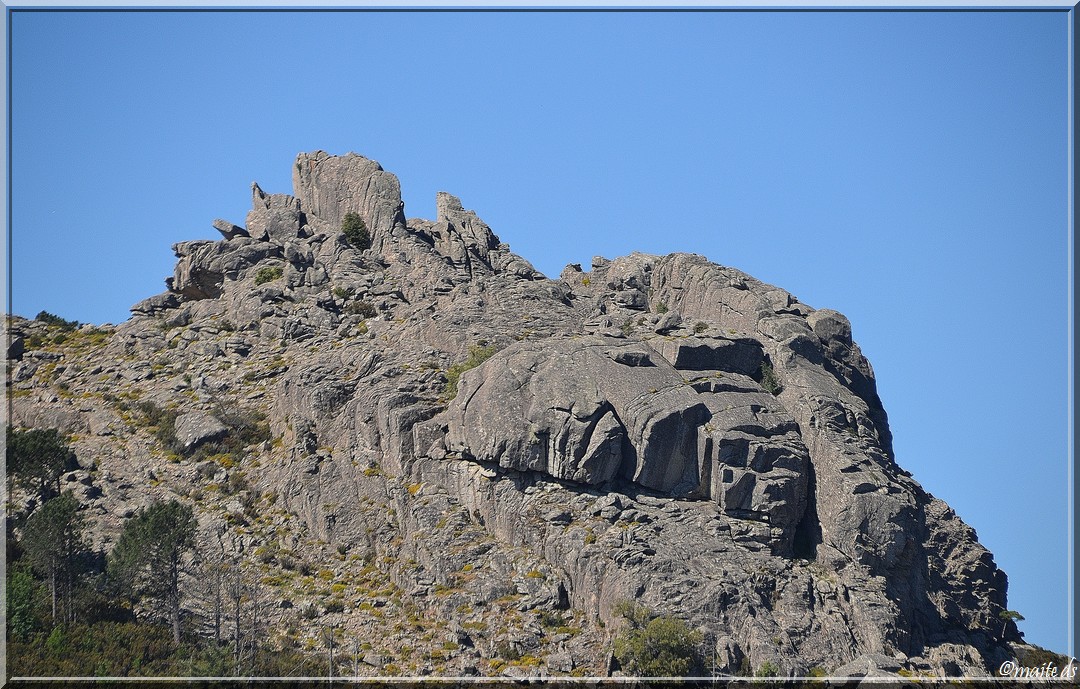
744,669
551,620
246,427
477,356
361,308
661,307
267,274
700,327
767,669
769,381
656,646
164,421
355,231
52,319
507,651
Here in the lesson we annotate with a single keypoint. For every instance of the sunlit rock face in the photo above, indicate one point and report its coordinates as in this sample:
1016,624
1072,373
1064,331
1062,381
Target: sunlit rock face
660,429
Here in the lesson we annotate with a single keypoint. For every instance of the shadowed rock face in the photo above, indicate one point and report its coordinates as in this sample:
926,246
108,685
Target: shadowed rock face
657,428
594,409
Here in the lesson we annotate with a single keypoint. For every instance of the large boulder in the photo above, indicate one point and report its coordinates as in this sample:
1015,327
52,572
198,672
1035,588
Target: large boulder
330,186
205,265
594,409
274,217
715,353
196,428
584,410
229,230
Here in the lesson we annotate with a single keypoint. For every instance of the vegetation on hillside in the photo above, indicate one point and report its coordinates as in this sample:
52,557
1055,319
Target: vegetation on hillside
72,612
355,231
52,319
477,356
37,458
656,646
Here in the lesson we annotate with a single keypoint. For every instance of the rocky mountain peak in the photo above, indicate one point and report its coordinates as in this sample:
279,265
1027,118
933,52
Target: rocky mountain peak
503,447
328,187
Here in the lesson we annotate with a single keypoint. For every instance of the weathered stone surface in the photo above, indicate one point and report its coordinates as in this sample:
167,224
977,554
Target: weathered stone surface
620,444
16,347
592,409
274,217
566,407
712,354
157,303
331,186
668,322
193,278
204,266
229,230
195,428
830,325
870,665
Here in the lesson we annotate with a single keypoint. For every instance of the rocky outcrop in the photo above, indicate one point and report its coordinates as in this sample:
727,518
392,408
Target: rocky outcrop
594,409
273,217
328,187
656,428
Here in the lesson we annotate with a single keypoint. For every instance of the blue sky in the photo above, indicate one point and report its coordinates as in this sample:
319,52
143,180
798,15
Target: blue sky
906,168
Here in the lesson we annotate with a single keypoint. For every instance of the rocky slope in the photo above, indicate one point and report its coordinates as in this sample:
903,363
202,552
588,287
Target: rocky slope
656,428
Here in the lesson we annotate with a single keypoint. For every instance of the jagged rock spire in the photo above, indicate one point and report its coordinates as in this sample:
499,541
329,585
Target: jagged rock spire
330,186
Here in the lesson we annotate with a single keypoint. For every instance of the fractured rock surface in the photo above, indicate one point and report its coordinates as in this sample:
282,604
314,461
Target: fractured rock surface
658,428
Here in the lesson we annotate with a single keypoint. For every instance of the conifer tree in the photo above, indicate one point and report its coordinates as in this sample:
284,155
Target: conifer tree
37,458
53,540
149,558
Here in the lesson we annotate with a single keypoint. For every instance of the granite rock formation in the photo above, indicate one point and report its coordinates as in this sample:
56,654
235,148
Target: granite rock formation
661,429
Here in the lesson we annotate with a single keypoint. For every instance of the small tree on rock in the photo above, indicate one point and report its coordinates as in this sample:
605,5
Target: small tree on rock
149,558
1009,616
356,232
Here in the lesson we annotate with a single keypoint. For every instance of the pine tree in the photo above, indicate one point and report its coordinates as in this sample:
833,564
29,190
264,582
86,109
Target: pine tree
356,232
37,458
149,558
53,540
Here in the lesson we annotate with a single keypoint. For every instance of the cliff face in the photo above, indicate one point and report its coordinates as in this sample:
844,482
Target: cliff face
658,428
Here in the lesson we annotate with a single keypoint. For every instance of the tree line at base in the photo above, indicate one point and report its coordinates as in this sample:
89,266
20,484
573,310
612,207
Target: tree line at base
153,606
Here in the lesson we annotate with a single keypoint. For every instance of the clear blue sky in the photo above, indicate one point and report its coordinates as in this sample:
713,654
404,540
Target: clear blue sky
906,168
